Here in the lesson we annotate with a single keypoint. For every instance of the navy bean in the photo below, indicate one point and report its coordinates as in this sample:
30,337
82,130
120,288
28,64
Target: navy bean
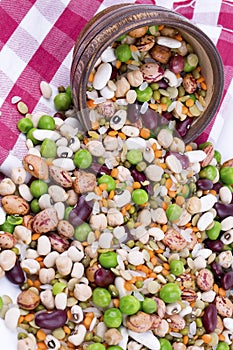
210,318
51,320
81,212
223,210
16,274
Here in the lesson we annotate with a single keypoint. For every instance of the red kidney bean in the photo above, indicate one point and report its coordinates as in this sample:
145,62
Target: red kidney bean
205,184
217,269
182,127
59,115
81,212
16,274
215,246
227,280
138,176
51,320
149,189
217,186
223,210
97,168
104,277
162,84
210,318
176,64
150,119
167,116
133,112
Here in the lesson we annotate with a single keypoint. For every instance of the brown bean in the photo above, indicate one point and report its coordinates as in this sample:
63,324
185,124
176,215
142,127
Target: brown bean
51,320
28,300
36,166
15,205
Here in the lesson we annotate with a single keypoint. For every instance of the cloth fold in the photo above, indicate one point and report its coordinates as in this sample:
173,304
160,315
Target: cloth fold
37,39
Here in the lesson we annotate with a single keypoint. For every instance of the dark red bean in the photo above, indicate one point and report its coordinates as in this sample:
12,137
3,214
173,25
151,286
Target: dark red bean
224,210
51,320
182,127
176,64
149,189
133,112
162,84
16,274
217,269
227,280
104,277
99,169
182,158
114,73
217,186
205,184
215,246
59,115
150,119
138,176
167,116
210,318
81,212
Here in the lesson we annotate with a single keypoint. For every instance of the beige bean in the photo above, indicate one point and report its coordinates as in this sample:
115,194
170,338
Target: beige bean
18,175
47,299
22,234
46,275
64,228
7,259
30,266
82,292
64,265
7,187
72,197
50,259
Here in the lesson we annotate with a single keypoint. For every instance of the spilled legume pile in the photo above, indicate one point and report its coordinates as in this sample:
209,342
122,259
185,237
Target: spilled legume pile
153,67
119,237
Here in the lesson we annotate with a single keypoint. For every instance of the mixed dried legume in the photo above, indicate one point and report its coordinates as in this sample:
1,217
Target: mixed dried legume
154,67
122,239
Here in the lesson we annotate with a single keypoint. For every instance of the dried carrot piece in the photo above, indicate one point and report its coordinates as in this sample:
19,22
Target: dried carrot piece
41,335
145,133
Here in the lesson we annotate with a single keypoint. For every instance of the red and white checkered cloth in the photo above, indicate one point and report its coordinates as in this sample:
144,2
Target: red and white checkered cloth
37,37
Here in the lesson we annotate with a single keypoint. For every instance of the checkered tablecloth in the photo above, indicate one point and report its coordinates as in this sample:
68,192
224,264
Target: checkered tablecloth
37,37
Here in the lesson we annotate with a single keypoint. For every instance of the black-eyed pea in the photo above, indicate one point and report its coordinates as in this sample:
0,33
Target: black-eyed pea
22,234
79,335
7,259
173,308
7,187
52,342
64,265
47,299
46,275
77,314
